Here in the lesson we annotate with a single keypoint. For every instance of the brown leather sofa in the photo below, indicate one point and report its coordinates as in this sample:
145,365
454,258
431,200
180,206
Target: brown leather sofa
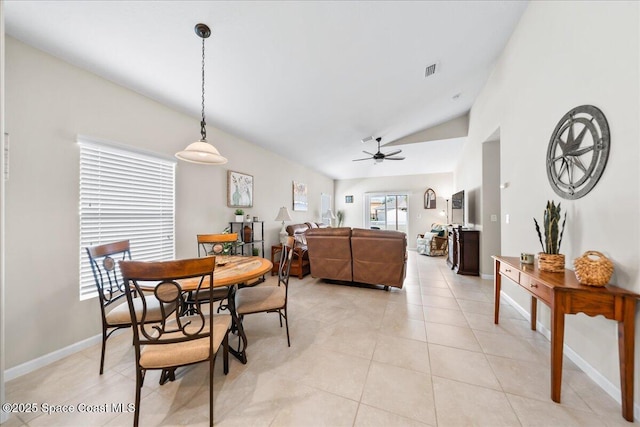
376,257
300,262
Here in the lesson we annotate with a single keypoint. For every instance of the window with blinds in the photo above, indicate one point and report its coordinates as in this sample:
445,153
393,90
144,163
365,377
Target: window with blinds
124,195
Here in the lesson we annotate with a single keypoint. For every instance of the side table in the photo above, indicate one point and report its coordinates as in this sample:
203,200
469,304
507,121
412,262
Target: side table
299,264
275,260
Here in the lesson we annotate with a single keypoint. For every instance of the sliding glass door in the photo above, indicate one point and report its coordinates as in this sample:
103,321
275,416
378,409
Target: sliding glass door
386,211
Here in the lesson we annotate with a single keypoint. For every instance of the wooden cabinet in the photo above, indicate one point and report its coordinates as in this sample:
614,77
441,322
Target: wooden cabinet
250,235
464,251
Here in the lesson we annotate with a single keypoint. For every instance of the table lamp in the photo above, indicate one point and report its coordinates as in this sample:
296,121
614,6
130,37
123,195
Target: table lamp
329,214
283,215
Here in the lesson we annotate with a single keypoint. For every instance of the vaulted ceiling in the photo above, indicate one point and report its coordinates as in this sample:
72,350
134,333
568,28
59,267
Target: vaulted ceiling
308,80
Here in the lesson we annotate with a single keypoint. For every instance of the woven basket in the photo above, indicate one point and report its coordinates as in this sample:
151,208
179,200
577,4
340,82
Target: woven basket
553,263
593,272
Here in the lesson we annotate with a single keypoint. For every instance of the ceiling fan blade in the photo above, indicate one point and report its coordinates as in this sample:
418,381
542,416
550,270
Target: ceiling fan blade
394,158
366,152
393,153
357,160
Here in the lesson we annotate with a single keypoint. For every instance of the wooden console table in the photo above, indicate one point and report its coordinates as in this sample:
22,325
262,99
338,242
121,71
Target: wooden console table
565,295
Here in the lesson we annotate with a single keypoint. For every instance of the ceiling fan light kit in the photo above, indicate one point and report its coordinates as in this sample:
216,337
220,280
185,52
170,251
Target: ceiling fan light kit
379,156
201,151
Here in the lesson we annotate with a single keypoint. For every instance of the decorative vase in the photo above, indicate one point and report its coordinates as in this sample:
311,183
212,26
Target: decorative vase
239,218
246,231
553,263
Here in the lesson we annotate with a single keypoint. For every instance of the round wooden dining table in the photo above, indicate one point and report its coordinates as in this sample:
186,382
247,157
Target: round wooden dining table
233,270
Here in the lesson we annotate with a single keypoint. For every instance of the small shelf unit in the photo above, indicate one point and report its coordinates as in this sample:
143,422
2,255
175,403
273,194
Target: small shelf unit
253,239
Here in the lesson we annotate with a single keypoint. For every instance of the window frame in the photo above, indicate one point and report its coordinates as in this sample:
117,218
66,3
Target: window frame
369,222
112,208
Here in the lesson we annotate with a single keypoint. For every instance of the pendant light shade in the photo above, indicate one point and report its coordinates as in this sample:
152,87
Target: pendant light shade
201,151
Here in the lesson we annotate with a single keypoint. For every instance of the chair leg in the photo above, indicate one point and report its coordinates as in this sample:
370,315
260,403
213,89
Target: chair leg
225,353
167,375
104,346
139,381
286,322
240,318
212,364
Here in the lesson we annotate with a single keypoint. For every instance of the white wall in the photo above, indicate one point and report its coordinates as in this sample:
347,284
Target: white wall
562,55
3,415
420,219
49,102
490,205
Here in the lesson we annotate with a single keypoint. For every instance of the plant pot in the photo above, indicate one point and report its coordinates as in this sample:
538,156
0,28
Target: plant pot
553,263
239,218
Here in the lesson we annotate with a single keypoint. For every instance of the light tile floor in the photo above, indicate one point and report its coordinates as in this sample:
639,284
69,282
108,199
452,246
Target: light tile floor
426,355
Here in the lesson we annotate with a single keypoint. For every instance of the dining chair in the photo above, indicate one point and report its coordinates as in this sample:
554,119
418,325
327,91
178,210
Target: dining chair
111,295
219,245
266,298
179,339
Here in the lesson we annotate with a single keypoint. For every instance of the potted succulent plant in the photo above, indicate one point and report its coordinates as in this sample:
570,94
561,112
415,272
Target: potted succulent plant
239,213
550,259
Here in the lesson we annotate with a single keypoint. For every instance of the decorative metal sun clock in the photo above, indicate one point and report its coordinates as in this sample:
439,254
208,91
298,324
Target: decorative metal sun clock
578,152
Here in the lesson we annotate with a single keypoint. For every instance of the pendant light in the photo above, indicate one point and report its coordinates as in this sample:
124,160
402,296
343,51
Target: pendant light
201,151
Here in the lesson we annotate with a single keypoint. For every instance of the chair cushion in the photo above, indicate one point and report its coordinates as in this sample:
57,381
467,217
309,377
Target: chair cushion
260,298
120,314
158,356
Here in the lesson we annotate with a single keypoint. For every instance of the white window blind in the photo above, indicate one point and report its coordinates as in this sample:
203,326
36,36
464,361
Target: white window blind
124,195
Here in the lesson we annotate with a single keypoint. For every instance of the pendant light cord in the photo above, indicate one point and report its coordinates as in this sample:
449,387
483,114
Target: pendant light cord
203,130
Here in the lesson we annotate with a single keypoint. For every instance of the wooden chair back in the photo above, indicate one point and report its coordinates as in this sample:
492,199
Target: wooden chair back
286,259
217,244
169,293
104,266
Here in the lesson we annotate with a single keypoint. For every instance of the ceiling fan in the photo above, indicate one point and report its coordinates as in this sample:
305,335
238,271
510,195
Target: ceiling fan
380,156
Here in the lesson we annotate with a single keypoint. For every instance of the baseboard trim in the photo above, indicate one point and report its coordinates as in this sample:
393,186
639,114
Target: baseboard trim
591,372
486,276
32,365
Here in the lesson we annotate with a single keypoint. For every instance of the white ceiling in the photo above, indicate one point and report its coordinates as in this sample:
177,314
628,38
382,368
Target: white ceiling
307,80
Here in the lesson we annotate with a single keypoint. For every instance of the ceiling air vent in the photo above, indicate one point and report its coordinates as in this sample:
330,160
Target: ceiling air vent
431,69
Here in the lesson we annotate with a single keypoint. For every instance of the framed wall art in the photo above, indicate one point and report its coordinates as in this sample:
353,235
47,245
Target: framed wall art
429,199
239,190
348,199
300,201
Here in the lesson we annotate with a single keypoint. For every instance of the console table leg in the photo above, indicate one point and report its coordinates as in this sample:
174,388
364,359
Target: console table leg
497,282
534,312
557,342
626,333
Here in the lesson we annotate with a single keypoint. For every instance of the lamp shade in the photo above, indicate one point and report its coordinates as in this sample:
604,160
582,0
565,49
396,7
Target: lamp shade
201,152
283,215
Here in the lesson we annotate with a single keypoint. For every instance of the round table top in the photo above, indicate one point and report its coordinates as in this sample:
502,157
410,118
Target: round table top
231,270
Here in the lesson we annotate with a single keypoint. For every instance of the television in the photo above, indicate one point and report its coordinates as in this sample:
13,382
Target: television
457,208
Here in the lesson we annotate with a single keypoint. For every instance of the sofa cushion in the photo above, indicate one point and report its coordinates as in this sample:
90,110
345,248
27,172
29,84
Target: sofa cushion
329,252
379,256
